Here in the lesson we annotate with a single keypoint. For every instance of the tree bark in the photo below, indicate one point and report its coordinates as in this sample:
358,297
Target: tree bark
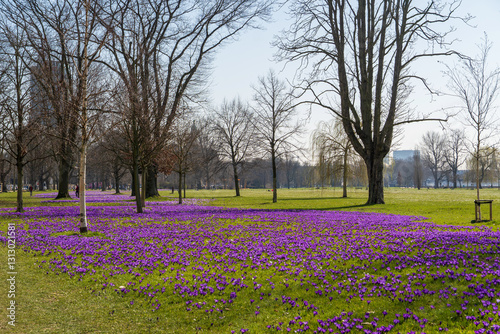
2,183
82,182
478,180
180,187
40,181
344,175
375,169
143,186
436,180
117,183
64,173
275,176
184,184
236,183
19,184
207,172
104,181
135,181
152,182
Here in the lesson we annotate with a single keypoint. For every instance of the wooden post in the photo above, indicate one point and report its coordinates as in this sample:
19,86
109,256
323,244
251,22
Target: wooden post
478,208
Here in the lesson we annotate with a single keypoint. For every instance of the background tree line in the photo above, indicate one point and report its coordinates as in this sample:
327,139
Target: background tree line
121,86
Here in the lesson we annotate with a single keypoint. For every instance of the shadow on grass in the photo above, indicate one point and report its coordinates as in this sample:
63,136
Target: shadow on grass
365,205
331,208
321,198
276,206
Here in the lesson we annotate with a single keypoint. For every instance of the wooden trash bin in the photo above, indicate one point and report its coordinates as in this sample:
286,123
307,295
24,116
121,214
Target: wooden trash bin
478,206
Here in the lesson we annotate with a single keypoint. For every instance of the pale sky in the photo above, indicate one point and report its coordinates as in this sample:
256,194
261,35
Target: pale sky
238,65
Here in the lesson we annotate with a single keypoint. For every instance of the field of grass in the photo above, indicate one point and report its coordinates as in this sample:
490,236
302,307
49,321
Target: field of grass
441,206
287,269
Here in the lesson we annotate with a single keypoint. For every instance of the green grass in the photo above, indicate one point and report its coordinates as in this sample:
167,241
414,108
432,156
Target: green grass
49,303
442,206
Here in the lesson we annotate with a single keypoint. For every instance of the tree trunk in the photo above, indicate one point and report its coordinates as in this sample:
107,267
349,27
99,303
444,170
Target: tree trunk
143,186
236,182
2,183
152,182
375,169
117,182
207,185
40,181
135,184
180,187
344,176
478,181
275,176
64,173
82,174
184,184
19,184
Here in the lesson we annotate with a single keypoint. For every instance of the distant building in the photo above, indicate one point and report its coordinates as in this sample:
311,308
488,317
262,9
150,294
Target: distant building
404,154
41,106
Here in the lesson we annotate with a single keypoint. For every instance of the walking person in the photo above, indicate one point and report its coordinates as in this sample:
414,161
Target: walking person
77,191
31,190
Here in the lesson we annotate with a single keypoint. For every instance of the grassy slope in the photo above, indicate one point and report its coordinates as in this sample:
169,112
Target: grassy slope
56,304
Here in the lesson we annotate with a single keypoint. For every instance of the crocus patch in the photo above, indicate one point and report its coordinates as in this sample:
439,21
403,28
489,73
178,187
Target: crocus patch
282,270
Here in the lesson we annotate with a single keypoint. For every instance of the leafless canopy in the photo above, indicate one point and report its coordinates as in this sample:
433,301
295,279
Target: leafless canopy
274,120
158,50
358,55
477,87
234,130
433,154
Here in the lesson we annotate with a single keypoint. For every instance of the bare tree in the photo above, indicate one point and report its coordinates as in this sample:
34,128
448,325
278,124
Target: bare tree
477,88
41,167
331,144
46,29
63,39
455,153
159,51
233,125
114,148
486,163
184,135
274,113
290,166
5,167
88,37
360,53
210,163
21,125
433,155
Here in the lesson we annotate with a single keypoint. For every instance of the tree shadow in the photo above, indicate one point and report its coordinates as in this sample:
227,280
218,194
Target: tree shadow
321,198
354,206
326,206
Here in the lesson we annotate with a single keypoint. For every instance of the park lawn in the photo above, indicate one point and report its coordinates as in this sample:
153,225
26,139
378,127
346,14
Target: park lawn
50,302
441,206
